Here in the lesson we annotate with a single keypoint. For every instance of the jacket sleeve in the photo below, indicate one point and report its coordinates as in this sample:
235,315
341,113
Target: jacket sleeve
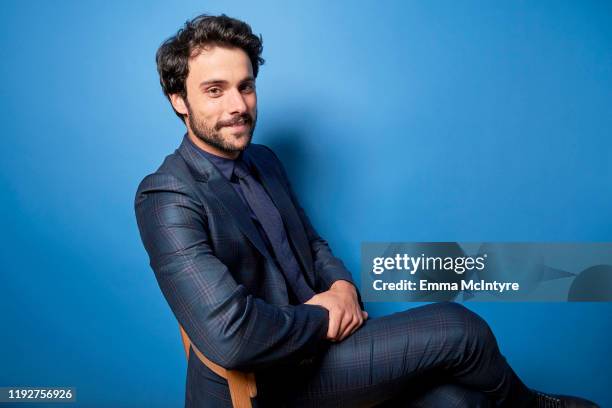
227,324
327,267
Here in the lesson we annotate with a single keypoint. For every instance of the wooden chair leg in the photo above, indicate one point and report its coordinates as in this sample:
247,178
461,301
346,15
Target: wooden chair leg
242,385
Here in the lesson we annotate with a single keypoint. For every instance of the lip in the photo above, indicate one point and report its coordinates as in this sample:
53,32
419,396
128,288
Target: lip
244,126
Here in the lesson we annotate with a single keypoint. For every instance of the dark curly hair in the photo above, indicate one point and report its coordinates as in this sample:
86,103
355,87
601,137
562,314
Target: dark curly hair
173,55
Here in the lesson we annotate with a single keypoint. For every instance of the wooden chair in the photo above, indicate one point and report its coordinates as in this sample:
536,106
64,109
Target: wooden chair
242,385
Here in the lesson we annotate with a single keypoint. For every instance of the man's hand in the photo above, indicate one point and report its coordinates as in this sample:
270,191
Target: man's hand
345,315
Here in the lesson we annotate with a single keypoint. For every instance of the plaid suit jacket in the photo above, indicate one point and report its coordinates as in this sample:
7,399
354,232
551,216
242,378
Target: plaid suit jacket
214,269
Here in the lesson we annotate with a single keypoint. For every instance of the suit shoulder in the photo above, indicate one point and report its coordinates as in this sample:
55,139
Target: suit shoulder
168,177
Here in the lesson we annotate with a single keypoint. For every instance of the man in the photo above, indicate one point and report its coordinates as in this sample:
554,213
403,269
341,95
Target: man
254,285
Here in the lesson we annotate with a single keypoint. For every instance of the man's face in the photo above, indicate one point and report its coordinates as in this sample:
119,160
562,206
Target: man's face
221,103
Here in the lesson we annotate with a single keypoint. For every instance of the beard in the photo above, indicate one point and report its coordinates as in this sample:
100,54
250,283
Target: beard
212,134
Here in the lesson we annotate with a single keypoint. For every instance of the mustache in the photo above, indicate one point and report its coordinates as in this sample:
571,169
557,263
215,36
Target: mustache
244,118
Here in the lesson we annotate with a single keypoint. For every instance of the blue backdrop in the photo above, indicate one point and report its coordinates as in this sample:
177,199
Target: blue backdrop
426,121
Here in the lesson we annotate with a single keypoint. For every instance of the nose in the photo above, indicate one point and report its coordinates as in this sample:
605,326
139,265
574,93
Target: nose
236,102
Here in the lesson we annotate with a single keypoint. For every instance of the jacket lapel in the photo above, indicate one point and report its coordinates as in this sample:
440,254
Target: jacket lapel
205,172
295,229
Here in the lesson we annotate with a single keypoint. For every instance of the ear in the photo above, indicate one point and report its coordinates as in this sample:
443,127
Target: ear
178,103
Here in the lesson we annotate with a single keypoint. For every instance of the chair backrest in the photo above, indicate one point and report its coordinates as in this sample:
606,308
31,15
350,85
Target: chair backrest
186,341
242,385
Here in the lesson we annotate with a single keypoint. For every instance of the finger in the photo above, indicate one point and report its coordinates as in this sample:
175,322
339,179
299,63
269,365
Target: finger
355,329
357,320
360,321
334,325
350,327
345,321
361,317
358,317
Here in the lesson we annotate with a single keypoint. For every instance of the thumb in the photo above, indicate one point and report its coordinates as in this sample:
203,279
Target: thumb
365,314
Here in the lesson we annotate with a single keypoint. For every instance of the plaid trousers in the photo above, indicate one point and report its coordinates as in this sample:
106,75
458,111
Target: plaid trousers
438,355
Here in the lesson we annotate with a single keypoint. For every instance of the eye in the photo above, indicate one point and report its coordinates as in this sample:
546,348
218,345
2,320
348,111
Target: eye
247,88
214,92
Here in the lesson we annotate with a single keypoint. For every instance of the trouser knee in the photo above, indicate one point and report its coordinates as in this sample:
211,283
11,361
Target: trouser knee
466,323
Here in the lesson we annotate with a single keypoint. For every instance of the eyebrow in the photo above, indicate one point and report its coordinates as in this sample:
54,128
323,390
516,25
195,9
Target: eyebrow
223,81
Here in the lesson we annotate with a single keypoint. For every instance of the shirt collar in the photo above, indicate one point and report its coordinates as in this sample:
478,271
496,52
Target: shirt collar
224,165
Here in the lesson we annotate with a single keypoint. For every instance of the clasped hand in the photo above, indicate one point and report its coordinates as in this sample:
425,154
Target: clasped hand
345,315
